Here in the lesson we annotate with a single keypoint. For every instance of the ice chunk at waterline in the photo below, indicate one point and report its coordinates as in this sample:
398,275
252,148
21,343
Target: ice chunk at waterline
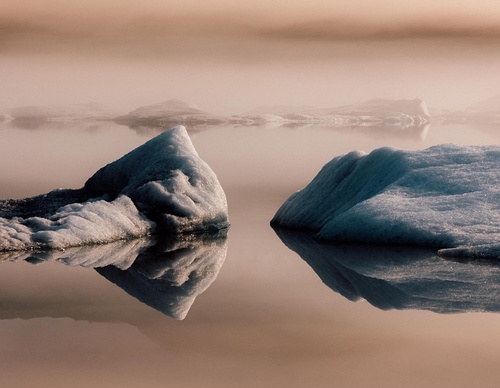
161,187
445,197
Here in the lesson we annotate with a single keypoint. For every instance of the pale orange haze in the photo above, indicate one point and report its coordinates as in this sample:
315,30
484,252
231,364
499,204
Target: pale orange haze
229,56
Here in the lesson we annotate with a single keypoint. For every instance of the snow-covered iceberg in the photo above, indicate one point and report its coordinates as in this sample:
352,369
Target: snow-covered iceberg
395,277
165,273
162,186
446,197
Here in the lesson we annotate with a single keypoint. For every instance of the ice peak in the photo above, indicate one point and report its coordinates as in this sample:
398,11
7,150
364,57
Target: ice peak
160,187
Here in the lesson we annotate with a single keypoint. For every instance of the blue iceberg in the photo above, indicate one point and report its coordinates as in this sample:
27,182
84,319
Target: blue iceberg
446,197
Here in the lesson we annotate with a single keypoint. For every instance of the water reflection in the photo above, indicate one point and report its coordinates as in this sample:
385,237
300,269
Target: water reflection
37,124
400,277
96,125
165,273
377,129
169,275
413,132
151,130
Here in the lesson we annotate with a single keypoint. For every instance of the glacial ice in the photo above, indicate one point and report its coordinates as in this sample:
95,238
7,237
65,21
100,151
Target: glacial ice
400,115
162,186
396,277
446,197
379,107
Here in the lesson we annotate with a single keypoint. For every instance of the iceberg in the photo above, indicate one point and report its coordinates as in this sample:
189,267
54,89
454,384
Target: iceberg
168,113
445,197
379,107
398,115
395,277
161,187
164,273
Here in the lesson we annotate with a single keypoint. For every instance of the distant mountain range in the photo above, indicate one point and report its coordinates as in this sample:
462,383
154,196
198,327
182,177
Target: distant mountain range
392,114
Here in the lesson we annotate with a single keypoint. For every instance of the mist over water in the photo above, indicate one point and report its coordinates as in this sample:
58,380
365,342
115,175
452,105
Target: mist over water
229,64
232,76
267,318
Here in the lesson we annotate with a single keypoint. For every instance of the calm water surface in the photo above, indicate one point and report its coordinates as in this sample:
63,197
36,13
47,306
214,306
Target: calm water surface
266,320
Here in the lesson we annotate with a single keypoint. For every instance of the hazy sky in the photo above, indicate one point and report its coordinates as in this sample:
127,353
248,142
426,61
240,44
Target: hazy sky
229,56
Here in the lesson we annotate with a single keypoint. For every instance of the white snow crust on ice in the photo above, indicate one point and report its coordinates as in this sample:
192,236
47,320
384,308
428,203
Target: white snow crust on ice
162,186
446,197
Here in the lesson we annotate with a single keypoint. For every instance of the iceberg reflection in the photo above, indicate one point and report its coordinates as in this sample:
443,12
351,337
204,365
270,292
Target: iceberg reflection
167,274
400,277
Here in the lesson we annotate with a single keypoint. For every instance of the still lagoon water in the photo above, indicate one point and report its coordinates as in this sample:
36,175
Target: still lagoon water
265,317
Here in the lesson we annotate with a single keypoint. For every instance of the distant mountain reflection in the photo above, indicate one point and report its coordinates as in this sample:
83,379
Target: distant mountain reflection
165,273
401,277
